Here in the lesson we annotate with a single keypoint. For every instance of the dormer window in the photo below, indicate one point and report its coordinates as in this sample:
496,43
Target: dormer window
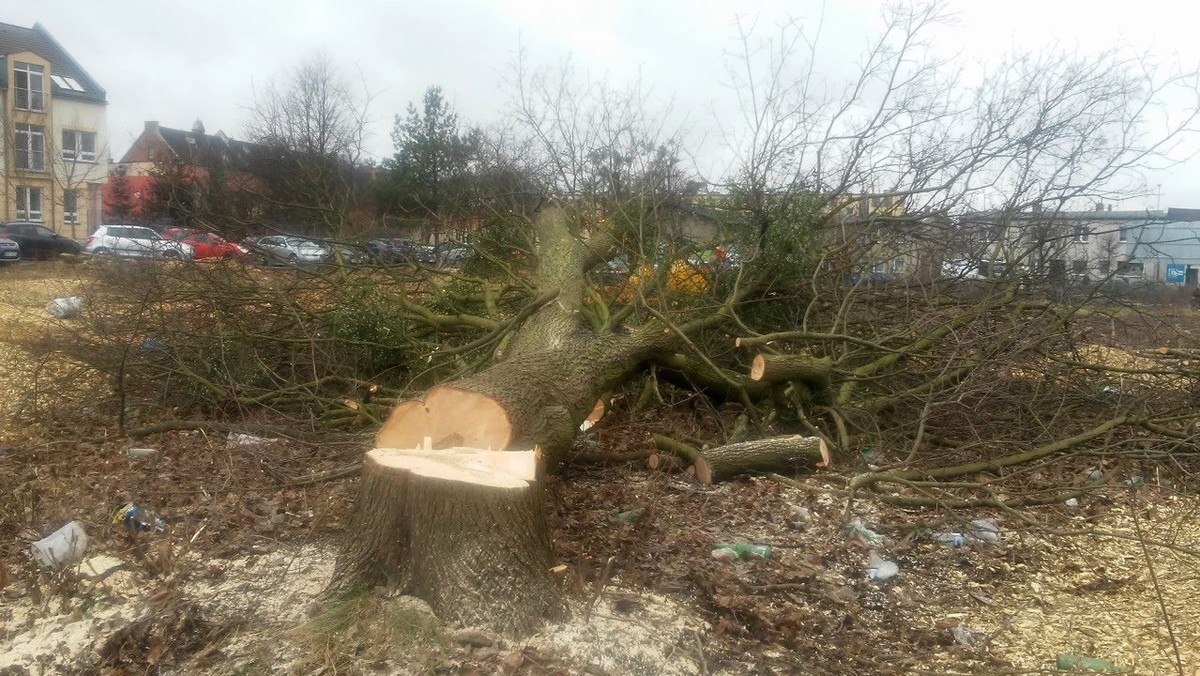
67,83
29,86
79,145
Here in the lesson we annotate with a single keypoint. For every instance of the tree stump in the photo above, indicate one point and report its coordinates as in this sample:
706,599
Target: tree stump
461,528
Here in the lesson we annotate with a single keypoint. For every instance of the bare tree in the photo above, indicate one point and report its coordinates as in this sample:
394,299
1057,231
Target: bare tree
309,129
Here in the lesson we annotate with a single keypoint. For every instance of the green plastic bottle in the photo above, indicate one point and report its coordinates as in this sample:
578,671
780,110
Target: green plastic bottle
744,550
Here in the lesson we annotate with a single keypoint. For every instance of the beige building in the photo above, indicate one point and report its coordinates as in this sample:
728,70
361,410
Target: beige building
54,142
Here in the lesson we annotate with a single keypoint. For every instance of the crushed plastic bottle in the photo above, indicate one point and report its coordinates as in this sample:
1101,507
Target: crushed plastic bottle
65,308
1066,662
866,536
1072,503
629,516
136,517
880,569
742,550
142,453
952,539
1134,481
966,635
984,531
240,439
1095,474
151,344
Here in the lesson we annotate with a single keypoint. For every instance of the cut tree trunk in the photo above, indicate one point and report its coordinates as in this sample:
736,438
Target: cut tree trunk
774,454
530,400
473,543
461,528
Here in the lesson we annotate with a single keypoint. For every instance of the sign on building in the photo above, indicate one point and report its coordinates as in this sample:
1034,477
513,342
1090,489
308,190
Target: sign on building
1176,273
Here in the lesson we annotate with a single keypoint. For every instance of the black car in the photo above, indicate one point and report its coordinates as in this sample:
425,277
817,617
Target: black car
451,253
37,241
395,250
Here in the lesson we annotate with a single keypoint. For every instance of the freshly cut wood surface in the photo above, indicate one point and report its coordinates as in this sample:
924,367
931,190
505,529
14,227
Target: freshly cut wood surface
501,469
450,417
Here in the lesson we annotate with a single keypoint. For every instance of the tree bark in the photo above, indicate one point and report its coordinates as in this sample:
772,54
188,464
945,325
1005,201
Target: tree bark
463,529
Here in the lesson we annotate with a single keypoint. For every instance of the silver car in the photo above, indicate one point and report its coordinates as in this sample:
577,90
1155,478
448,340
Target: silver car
287,248
10,251
135,241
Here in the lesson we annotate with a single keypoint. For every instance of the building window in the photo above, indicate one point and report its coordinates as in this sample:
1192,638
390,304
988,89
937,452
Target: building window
1078,267
79,145
1122,235
70,206
1105,267
28,86
898,265
879,267
1129,269
31,147
29,203
1081,233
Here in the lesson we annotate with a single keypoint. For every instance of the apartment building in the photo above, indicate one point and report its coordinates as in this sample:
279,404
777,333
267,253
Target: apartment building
54,142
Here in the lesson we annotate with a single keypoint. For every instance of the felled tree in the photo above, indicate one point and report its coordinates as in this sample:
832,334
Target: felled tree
532,400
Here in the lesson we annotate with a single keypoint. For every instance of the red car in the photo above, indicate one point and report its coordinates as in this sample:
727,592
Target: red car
207,244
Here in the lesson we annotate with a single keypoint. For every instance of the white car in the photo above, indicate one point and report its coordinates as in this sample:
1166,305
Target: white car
135,241
288,248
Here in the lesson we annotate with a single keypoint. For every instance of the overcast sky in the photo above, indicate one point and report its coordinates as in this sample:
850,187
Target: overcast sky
177,62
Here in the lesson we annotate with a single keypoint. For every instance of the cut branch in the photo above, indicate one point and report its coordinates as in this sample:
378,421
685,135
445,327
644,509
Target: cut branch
778,368
774,454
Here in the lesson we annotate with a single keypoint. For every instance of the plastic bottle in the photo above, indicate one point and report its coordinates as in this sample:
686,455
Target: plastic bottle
744,550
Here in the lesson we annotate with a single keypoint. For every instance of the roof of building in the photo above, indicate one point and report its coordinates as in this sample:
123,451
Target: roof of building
196,147
1141,216
68,79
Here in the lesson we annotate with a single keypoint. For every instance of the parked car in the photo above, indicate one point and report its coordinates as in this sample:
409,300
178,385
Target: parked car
288,249
207,244
36,241
10,251
382,249
351,254
135,241
397,250
451,253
